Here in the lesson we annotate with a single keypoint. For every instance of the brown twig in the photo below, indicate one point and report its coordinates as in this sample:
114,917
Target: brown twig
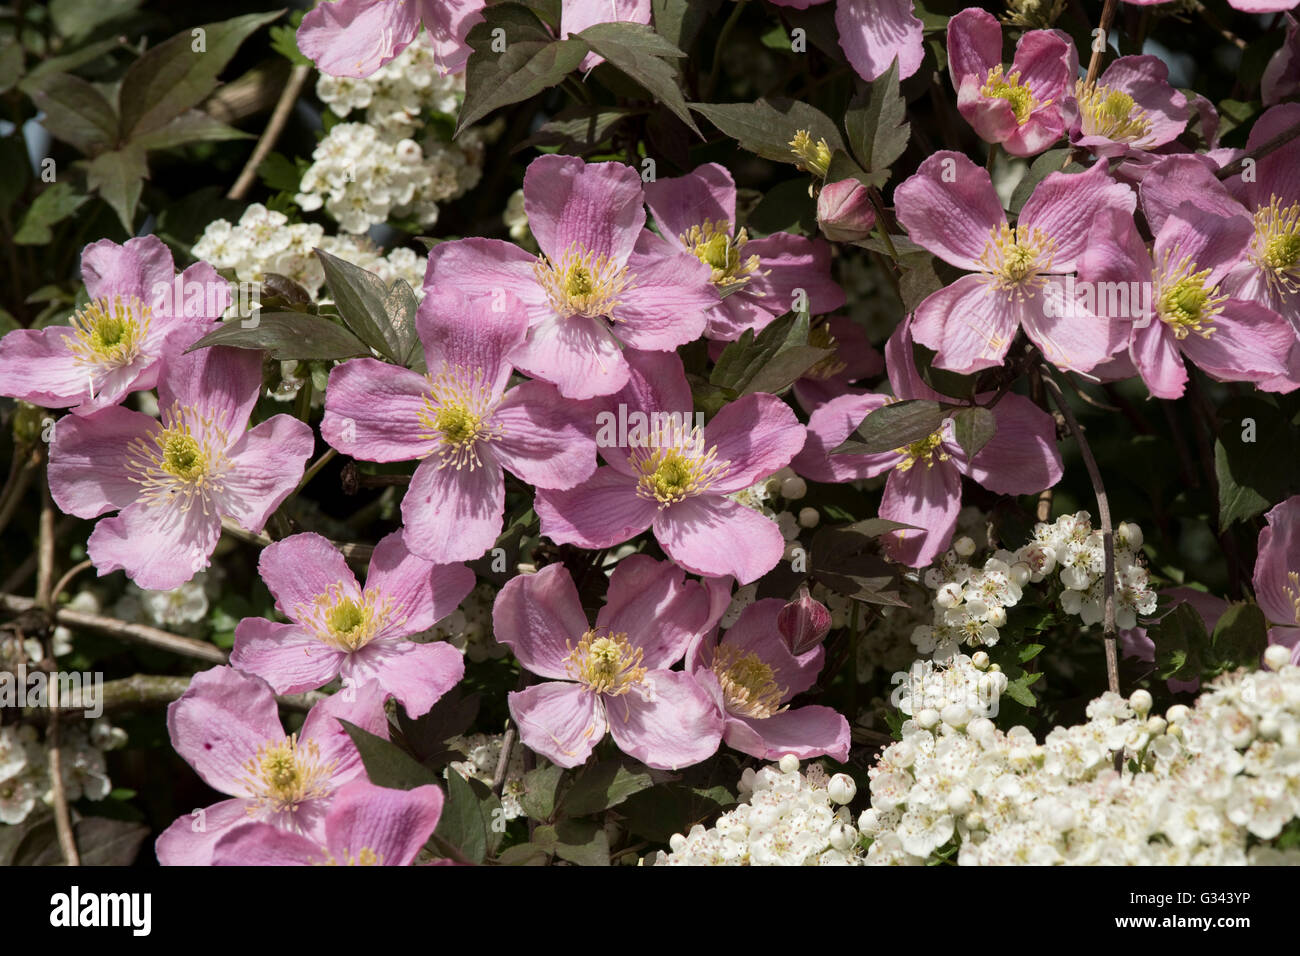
503,762
1094,64
279,116
64,581
1260,151
357,553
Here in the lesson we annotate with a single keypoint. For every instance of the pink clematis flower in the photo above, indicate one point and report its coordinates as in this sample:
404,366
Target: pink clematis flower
677,479
577,15
227,726
340,629
1181,310
758,277
116,343
173,480
1281,78
950,208
752,675
613,676
1277,575
603,281
924,484
461,423
1130,109
1021,109
357,37
1248,6
874,33
365,826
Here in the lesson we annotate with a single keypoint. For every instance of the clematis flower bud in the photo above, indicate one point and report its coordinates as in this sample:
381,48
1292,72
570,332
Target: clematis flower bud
803,623
844,211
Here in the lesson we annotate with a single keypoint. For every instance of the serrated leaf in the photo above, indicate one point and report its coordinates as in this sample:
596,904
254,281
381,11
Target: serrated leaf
582,842
679,21
192,126
877,127
362,299
462,824
119,177
584,127
400,306
973,427
51,207
11,63
639,52
101,841
601,786
68,62
77,18
1018,689
541,790
843,559
898,424
287,336
388,765
769,361
767,127
75,111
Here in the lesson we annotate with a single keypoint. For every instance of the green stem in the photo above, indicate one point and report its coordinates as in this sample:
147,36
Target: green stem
715,70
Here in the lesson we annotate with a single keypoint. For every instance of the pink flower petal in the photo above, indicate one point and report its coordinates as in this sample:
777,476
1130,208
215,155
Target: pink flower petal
416,674
755,632
539,617
700,535
38,367
659,611
969,325
453,514
593,207
302,567
220,384
394,824
1063,206
579,355
758,435
927,498
949,207
561,721
681,202
261,844
828,427
1278,557
874,33
136,268
679,727
1022,457
266,465
219,724
603,511
160,546
357,37
89,456
547,440
787,265
805,732
288,657
464,335
420,592
668,305
372,411
186,843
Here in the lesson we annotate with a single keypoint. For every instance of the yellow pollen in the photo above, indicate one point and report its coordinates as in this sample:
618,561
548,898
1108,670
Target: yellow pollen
109,333
608,665
713,244
1276,246
457,413
345,621
813,157
580,283
1186,303
748,684
182,456
1293,592
180,459
1020,98
673,464
1111,113
1015,259
364,857
284,774
927,451
820,337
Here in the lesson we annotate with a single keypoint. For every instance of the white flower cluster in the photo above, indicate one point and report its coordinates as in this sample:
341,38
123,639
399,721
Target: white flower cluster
396,96
482,753
1076,551
786,818
265,241
25,771
1208,780
954,690
469,627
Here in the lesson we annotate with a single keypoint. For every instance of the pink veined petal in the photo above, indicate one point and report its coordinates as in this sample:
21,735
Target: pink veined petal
1184,178
420,593
453,514
595,208
755,632
546,440
577,15
472,336
266,464
159,546
1278,556
974,45
539,616
1043,128
969,325
992,117
394,824
288,657
1154,351
757,435
220,383
1063,206
1278,173
1146,79
1043,60
477,267
184,843
301,568
357,37
561,721
579,355
1212,242
700,535
262,844
372,411
730,317
668,304
88,468
928,498
1078,339
188,308
805,732
874,33
448,23
678,727
603,511
900,365
660,612
38,367
828,427
1249,342
788,263
679,203
1022,457
1115,253
656,383
949,207
136,268
416,674
359,704
219,724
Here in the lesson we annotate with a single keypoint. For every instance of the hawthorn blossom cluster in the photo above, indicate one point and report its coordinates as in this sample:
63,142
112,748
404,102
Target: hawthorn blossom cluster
395,97
25,770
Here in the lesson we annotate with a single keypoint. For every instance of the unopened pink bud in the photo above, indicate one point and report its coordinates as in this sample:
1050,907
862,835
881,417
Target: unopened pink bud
844,211
803,623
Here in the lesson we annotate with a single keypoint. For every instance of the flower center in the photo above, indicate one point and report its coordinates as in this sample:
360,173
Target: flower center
580,283
177,461
926,451
714,245
1016,258
457,413
284,774
110,333
339,619
748,684
673,464
1111,113
607,665
1276,247
364,857
1020,98
814,157
182,455
1187,302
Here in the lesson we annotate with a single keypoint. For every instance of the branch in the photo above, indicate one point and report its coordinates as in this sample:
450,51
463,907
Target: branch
1260,151
503,762
1094,64
142,691
356,553
279,116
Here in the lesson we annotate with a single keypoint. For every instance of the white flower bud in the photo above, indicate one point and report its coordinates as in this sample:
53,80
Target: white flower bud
1277,656
960,799
1177,713
949,595
980,660
1140,701
964,546
928,718
1156,725
841,788
843,837
1020,574
789,764
809,517
792,489
996,616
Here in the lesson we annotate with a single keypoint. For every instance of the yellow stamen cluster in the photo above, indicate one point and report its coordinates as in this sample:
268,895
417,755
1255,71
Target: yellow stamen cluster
344,620
363,857
820,337
186,457
109,333
1111,113
286,773
580,283
813,157
1014,260
1276,246
1186,301
673,464
607,664
748,685
457,413
714,245
926,451
1008,87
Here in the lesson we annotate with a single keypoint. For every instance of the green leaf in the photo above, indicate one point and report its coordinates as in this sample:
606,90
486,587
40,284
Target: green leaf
1240,636
1254,438
541,789
583,127
55,204
68,62
388,765
583,842
679,21
363,301
767,127
531,62
288,335
877,125
770,361
1181,645
639,52
919,281
192,126
75,111
101,841
400,305
940,379
119,177
1028,652
462,824
786,207
974,428
603,785
1018,689
175,76
11,63
844,559
895,425
77,18
524,854
17,166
